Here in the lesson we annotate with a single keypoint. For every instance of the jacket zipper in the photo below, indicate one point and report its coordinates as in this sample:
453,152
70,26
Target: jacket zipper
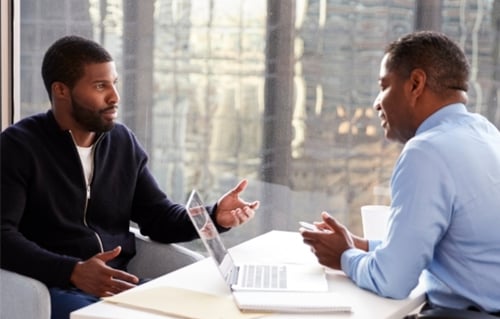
99,241
87,189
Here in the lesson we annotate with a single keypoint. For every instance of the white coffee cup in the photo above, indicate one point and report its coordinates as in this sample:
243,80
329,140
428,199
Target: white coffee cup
374,219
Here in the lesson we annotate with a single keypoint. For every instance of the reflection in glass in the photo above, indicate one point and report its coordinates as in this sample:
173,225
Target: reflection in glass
279,92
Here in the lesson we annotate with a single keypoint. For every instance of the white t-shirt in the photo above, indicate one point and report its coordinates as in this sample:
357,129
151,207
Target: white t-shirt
86,155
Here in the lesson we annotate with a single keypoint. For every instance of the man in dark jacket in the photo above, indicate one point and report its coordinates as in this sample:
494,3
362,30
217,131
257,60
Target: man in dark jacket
72,179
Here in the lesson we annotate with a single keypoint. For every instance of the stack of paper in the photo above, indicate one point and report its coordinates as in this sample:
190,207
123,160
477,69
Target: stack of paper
182,303
291,302
192,304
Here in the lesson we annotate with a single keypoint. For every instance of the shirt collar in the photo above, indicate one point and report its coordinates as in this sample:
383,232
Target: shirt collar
441,115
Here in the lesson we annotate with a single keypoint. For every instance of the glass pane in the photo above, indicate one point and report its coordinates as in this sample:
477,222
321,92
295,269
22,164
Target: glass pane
282,95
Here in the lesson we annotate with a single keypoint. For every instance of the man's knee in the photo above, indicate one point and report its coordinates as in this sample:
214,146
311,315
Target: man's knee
64,301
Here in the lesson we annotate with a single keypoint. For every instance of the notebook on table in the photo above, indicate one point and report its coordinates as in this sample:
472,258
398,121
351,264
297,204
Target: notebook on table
264,287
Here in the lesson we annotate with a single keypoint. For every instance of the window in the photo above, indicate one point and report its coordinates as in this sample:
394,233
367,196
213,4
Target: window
279,92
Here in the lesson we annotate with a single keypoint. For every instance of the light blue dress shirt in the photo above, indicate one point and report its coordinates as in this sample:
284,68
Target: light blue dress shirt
445,217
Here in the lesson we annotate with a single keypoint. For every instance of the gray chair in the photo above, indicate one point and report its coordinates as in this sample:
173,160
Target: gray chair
22,297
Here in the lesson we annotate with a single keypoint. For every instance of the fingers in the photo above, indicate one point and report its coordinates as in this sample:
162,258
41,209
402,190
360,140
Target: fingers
331,222
124,278
119,280
247,212
328,244
115,281
115,286
94,276
232,210
241,215
240,187
253,205
321,227
117,275
110,254
235,192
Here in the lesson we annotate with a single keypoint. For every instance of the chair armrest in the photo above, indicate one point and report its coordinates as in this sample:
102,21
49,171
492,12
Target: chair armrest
23,297
440,313
154,259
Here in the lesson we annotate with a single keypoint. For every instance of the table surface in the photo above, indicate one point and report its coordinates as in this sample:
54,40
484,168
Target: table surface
277,247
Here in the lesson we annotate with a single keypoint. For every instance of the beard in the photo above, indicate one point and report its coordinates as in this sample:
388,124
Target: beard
91,120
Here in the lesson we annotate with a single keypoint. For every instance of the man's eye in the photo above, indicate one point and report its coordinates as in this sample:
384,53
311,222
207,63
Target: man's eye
99,86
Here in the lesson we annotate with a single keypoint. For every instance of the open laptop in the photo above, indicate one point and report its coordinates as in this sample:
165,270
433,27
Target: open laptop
252,277
266,287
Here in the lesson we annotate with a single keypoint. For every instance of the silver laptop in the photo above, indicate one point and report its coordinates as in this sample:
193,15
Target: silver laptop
252,277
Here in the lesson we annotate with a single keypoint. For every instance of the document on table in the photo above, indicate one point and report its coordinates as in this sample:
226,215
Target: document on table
291,302
179,302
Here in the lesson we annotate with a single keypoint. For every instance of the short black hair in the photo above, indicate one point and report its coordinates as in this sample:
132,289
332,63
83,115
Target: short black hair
65,59
437,55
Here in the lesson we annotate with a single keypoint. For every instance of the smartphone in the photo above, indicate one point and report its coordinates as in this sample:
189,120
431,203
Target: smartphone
308,226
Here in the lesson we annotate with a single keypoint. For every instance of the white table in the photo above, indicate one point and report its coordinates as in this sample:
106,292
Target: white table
274,246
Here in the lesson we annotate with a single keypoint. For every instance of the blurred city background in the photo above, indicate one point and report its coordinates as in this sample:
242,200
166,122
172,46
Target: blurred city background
278,92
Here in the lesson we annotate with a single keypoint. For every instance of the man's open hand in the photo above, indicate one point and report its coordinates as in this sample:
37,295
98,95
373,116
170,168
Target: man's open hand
93,276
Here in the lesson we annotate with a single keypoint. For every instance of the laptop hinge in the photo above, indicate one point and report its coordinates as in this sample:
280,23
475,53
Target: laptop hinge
233,275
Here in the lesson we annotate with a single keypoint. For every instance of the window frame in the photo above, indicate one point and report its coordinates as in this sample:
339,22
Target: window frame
10,39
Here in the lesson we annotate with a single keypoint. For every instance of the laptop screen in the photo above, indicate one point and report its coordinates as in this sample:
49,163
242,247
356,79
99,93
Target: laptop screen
208,234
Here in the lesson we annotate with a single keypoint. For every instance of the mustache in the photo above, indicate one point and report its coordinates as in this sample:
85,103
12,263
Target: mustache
109,108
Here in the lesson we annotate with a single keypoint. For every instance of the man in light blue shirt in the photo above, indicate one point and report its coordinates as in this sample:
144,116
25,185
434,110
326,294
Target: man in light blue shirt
445,209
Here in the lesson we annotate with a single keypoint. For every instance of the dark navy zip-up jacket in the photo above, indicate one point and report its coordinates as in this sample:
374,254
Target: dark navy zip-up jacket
48,223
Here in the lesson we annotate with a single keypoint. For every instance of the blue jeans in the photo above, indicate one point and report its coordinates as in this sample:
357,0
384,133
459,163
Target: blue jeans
64,301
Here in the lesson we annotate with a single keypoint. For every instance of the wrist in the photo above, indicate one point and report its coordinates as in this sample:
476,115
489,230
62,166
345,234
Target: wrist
361,243
74,274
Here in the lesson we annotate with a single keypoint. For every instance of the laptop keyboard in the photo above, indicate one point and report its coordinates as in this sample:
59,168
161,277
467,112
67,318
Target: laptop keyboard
264,276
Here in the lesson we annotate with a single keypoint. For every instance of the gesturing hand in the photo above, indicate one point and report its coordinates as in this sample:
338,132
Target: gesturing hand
93,276
329,244
233,211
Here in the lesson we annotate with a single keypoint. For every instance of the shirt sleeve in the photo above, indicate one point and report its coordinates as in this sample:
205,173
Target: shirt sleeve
372,244
421,196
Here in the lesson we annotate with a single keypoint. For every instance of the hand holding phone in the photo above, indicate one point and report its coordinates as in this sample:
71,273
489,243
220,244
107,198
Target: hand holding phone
308,226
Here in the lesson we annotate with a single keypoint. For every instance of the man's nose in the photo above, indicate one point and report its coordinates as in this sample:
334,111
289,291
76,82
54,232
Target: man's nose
114,97
376,103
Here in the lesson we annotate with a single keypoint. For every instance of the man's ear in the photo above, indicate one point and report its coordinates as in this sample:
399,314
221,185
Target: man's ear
415,86
418,79
60,90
